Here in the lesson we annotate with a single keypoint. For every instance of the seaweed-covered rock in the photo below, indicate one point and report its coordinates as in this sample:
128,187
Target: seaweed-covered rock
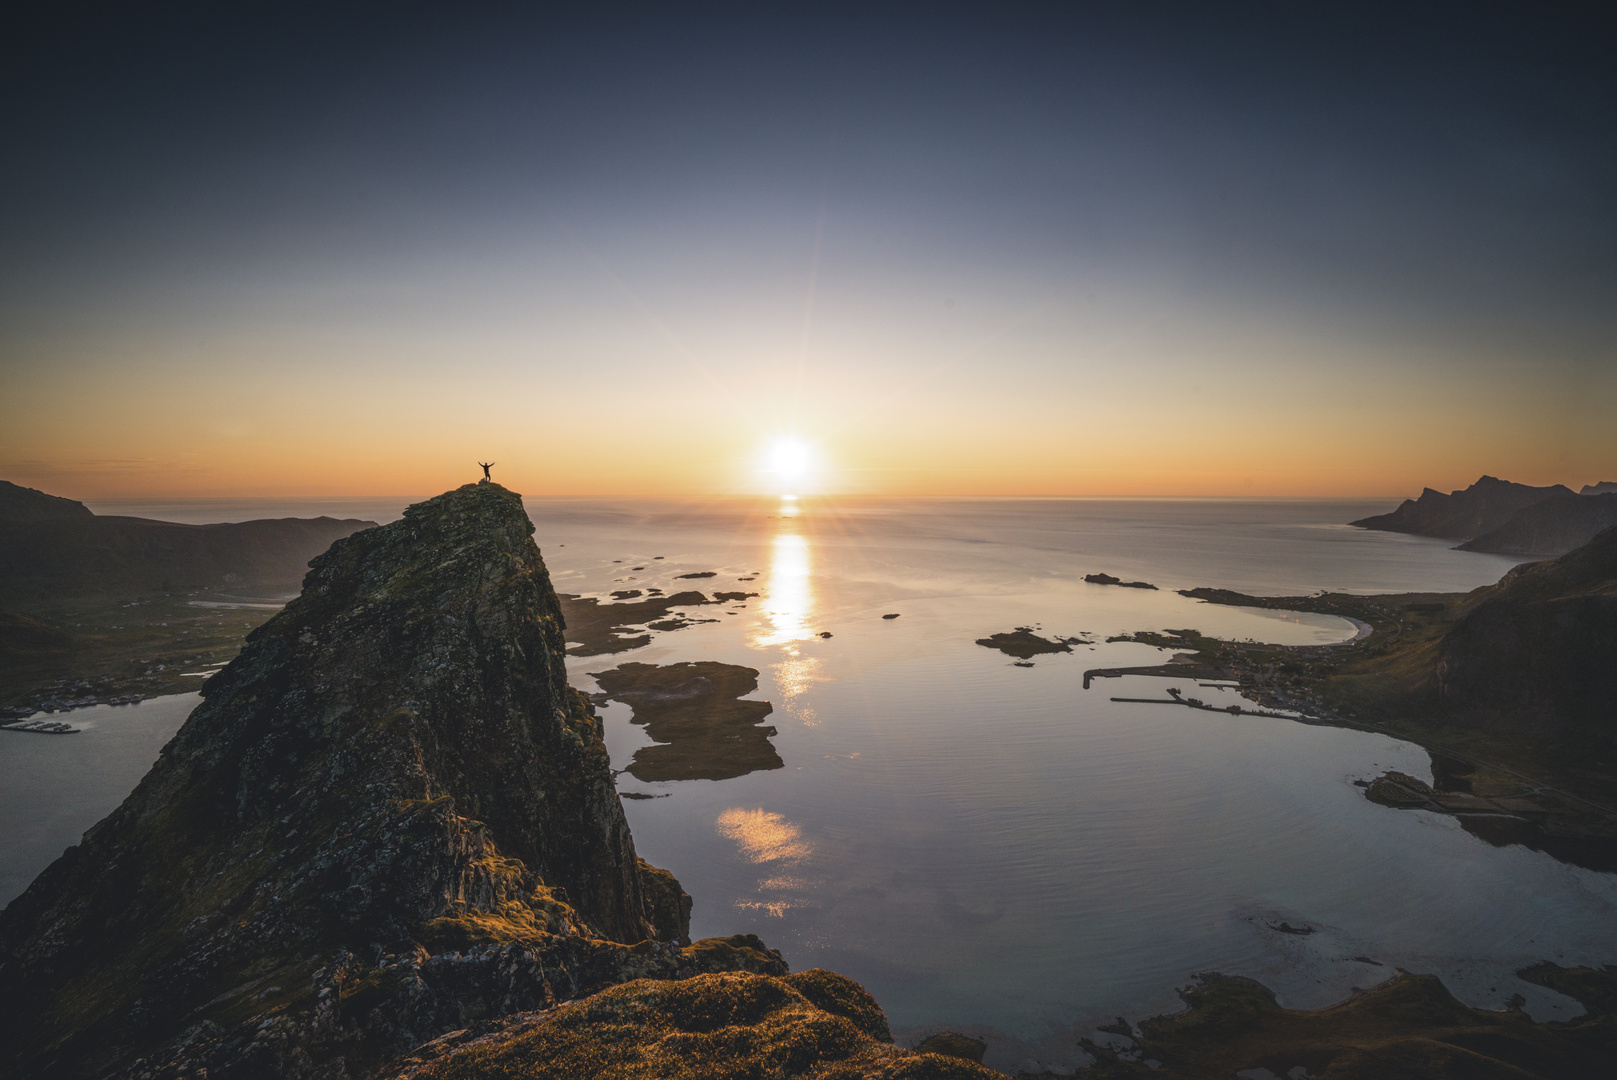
390,817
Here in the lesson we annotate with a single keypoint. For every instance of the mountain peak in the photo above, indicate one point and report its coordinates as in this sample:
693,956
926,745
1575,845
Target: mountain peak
389,816
1461,515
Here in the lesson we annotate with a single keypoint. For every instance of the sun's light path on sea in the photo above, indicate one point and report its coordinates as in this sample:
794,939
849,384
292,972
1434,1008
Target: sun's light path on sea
788,610
764,837
789,592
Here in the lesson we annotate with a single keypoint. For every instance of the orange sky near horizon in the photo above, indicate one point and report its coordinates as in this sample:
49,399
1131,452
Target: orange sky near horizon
1126,402
1138,393
995,251
106,431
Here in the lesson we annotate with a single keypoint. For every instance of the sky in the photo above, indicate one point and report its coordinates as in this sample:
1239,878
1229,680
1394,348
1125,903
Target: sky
981,249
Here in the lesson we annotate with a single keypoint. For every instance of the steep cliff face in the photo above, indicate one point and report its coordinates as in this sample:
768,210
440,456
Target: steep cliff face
389,818
1535,653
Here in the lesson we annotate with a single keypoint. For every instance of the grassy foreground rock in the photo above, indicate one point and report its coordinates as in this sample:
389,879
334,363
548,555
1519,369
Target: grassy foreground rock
815,1024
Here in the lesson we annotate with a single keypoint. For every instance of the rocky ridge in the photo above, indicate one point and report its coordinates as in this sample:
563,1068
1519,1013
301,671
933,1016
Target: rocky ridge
1462,515
1503,518
390,818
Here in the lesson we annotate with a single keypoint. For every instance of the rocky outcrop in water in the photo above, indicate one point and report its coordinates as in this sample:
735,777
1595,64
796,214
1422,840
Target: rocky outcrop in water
390,818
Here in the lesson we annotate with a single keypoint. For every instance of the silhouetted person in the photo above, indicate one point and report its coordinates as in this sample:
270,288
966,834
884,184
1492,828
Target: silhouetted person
487,465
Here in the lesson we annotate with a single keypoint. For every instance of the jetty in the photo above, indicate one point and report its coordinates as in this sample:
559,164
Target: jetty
1175,697
41,727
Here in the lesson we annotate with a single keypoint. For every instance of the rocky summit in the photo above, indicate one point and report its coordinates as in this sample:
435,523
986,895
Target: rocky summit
389,819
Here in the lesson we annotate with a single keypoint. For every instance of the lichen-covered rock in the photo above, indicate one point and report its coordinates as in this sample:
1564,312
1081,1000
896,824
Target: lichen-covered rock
717,1027
390,817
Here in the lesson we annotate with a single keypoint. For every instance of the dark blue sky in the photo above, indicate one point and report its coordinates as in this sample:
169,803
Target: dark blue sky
777,201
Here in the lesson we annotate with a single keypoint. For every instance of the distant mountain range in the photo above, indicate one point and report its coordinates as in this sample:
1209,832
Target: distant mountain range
53,549
1505,518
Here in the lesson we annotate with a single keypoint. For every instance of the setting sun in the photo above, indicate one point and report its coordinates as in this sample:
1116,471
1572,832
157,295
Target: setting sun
792,463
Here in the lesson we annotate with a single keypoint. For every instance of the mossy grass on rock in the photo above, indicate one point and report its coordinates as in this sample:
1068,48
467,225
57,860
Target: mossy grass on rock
720,1027
390,817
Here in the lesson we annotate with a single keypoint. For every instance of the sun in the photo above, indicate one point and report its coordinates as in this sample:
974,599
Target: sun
792,463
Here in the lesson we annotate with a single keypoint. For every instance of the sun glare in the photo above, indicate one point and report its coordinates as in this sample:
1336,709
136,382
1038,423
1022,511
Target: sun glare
791,461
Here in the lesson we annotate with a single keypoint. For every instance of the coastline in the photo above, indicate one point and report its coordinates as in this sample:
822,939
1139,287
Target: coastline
1565,801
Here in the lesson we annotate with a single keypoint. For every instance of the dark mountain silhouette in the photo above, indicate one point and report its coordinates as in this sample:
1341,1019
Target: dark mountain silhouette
19,505
1550,527
1462,515
55,549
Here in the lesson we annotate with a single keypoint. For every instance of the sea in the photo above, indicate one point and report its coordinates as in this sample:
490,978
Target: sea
991,848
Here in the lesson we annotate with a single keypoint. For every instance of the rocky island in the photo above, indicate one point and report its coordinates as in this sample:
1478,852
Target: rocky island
387,842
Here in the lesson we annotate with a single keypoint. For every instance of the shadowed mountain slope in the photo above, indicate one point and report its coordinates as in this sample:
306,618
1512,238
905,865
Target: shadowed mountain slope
1461,515
1535,652
1550,527
390,817
68,556
20,505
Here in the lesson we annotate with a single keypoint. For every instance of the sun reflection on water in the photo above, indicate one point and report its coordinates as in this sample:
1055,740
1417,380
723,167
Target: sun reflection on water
795,676
789,592
763,836
767,839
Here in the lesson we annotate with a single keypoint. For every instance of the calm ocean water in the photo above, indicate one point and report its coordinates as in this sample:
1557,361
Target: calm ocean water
987,847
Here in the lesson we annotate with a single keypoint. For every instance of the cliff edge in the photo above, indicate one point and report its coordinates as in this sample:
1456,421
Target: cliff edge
390,818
